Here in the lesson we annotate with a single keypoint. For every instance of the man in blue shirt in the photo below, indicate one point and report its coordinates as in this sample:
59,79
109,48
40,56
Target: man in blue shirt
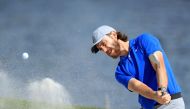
143,67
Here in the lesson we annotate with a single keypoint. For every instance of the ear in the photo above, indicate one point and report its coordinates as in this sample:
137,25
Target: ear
113,34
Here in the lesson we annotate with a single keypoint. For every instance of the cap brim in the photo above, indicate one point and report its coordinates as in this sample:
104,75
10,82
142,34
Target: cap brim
94,49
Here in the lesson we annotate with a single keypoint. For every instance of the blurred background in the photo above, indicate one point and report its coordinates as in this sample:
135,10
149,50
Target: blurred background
57,36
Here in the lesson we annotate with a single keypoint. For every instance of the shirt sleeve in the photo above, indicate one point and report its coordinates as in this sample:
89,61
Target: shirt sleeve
150,43
122,76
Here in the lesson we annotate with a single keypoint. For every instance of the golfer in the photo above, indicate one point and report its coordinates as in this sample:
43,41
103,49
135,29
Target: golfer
143,67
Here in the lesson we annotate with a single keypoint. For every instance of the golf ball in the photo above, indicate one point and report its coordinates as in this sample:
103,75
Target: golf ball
25,55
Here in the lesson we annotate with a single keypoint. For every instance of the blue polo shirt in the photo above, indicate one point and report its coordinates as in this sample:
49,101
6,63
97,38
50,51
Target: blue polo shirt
137,65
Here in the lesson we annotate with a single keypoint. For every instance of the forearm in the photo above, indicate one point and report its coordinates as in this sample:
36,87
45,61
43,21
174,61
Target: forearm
162,78
141,88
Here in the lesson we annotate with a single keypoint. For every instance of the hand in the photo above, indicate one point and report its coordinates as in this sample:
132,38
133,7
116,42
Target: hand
162,99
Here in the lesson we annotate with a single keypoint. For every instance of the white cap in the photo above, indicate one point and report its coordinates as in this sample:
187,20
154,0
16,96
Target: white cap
100,33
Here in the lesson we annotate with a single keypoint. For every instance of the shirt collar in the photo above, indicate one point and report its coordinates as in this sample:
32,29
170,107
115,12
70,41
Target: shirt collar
131,44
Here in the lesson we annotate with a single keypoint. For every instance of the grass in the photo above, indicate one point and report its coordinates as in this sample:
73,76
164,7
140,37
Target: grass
10,103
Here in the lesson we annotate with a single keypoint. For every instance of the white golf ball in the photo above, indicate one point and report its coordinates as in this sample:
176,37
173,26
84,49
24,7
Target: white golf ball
25,55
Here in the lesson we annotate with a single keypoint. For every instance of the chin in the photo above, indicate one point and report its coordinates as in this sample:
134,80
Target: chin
114,56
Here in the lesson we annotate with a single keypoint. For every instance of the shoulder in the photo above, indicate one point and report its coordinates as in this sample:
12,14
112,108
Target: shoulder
121,67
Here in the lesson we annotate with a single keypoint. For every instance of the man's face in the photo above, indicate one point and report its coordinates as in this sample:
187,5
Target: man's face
110,45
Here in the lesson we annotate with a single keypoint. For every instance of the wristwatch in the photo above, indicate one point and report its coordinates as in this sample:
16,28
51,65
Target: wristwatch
163,90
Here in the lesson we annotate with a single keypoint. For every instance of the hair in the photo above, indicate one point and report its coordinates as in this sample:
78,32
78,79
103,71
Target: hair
120,36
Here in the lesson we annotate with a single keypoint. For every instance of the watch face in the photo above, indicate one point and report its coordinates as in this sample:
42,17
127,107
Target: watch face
163,89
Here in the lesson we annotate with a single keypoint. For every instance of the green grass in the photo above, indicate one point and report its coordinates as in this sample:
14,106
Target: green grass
10,103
